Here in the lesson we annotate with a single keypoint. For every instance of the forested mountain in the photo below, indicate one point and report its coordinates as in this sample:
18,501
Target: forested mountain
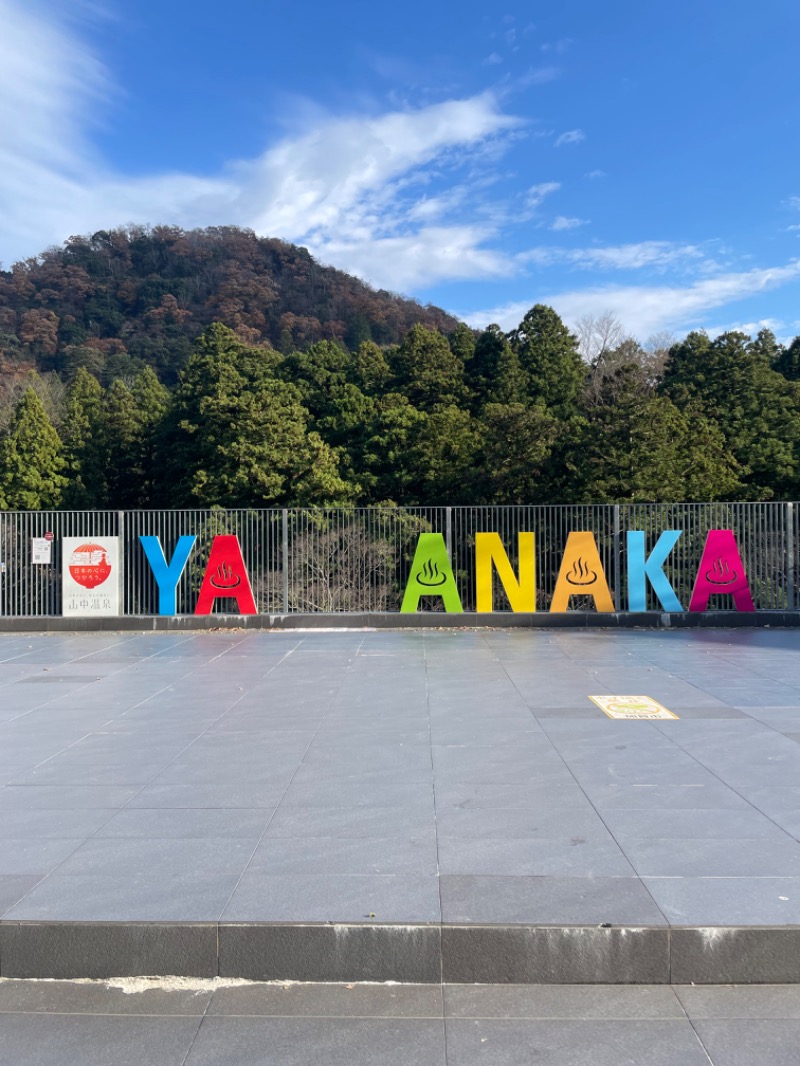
125,298
119,399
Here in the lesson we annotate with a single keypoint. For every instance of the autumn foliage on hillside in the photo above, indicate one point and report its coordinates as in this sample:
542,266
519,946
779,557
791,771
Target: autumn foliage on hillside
127,298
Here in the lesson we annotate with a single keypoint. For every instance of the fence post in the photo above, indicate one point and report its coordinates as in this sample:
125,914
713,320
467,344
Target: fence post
285,558
122,568
791,576
617,559
448,532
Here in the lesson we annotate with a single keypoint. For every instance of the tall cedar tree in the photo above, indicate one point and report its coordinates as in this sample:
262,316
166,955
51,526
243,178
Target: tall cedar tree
31,459
548,355
428,372
83,444
494,374
730,380
241,436
636,446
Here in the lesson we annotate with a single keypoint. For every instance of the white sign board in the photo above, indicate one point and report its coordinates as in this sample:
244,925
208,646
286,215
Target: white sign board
41,551
91,577
636,708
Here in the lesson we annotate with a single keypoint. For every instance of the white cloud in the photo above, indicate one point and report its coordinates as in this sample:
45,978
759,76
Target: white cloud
643,309
348,187
794,203
594,174
537,76
570,137
537,193
655,254
561,222
751,328
404,263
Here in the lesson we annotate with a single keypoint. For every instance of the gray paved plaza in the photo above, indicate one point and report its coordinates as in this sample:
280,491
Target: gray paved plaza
69,1024
402,778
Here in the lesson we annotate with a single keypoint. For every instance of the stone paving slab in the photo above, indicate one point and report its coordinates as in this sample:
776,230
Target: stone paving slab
58,1023
437,788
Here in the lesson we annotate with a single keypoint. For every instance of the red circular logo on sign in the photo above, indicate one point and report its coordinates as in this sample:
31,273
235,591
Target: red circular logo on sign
89,565
49,536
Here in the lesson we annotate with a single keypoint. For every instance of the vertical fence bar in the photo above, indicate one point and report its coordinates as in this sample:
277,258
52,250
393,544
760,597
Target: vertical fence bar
285,558
617,569
791,574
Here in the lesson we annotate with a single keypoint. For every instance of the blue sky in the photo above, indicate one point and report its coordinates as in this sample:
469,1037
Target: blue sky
631,158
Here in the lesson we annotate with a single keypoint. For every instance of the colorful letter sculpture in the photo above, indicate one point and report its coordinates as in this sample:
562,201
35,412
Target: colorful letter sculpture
226,578
721,571
642,569
431,575
167,575
581,574
489,553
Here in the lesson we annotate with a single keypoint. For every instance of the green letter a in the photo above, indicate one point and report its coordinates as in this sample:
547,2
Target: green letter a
431,575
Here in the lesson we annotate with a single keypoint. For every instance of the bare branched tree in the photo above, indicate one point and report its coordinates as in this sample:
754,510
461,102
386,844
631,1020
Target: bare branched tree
598,334
51,391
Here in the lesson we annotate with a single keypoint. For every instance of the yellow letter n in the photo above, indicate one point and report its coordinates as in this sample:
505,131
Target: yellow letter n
489,552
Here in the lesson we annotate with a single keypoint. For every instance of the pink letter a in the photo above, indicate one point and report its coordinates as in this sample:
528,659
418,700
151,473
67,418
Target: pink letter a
721,571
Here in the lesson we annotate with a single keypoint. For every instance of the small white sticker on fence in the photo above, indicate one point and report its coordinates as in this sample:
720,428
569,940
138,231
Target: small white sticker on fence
641,708
41,551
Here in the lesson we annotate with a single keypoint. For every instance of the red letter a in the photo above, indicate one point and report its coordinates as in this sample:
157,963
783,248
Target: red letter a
226,578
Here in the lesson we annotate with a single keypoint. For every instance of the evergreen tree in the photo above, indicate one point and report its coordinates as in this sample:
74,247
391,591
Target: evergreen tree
516,442
549,356
427,370
369,369
788,361
31,459
441,457
494,374
462,343
640,447
386,475
121,437
83,444
241,436
730,381
153,401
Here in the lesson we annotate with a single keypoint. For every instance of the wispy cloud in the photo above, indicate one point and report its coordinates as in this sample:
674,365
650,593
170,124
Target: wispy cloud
562,222
644,309
570,137
653,254
537,193
537,76
352,188
793,203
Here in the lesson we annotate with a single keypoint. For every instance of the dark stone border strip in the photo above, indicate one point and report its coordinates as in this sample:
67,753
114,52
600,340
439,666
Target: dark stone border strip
419,954
421,620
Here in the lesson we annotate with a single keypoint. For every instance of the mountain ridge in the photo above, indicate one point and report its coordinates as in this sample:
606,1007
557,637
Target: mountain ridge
132,296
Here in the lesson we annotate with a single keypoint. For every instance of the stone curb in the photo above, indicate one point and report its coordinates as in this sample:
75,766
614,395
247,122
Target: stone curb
395,620
419,954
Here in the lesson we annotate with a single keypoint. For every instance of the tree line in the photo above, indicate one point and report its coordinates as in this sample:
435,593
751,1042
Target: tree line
534,415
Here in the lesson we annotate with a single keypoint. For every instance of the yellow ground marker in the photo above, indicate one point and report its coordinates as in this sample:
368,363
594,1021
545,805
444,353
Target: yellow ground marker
637,708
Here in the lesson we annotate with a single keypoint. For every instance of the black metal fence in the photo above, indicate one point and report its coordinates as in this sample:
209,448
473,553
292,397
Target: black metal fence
358,559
